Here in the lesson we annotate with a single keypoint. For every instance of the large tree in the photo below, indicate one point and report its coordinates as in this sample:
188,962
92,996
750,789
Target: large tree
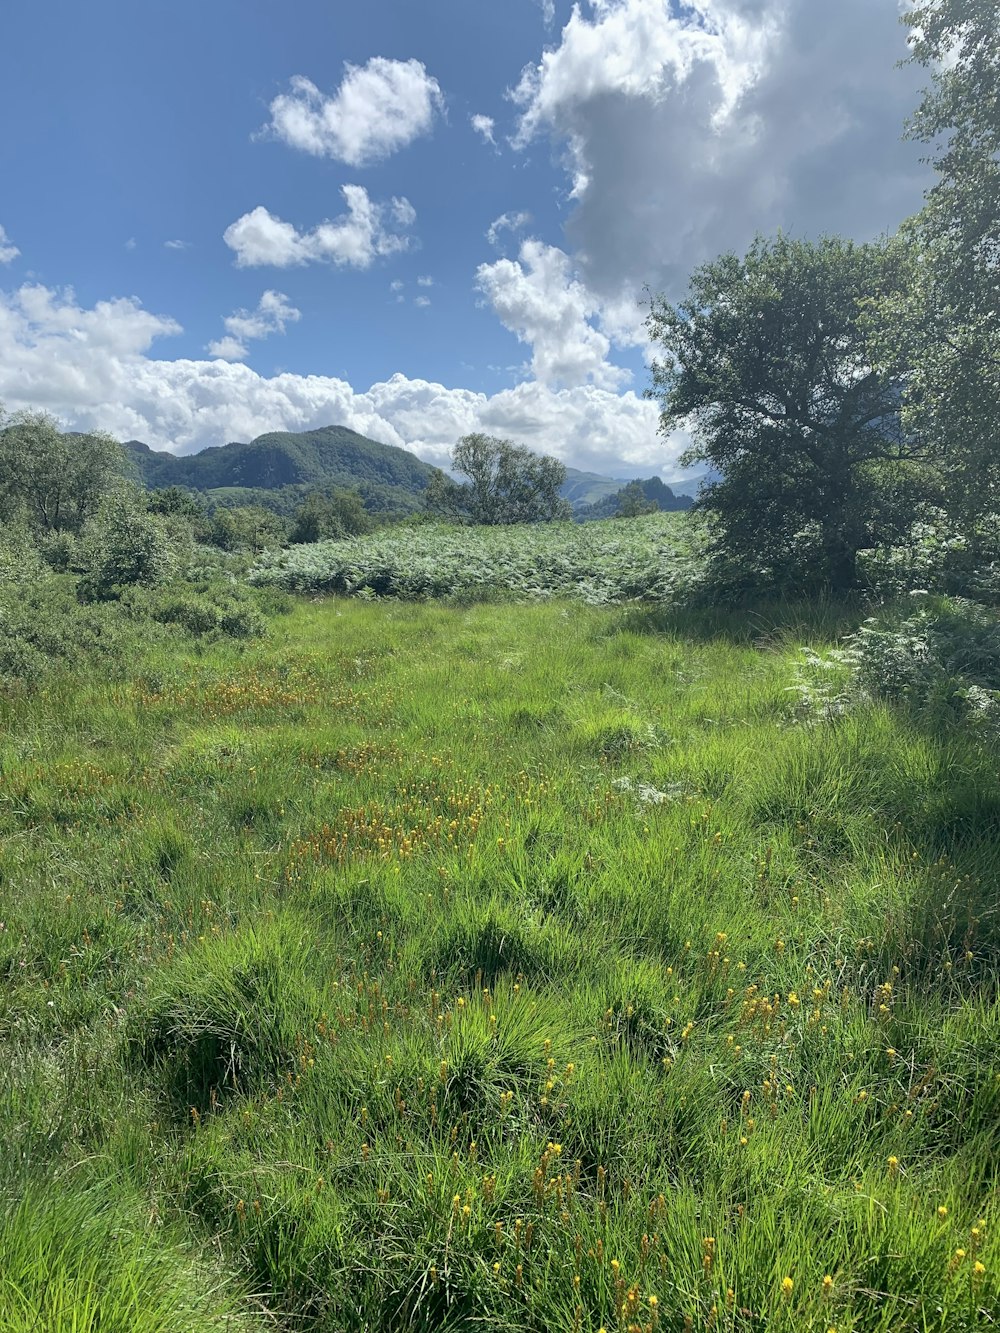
505,483
767,362
59,480
943,324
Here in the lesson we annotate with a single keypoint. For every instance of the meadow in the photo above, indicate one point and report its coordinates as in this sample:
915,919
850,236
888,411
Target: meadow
522,967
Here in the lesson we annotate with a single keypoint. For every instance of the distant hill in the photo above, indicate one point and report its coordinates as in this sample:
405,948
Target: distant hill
278,470
290,464
586,488
654,489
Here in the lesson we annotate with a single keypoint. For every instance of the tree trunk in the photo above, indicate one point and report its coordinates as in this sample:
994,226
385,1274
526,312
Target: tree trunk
842,563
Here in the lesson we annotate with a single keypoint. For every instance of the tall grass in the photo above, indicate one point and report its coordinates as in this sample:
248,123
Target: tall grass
528,968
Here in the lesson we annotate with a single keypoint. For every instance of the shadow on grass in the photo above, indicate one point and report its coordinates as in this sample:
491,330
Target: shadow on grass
760,624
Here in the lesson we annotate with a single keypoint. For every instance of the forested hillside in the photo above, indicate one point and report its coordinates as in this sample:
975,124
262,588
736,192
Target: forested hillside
333,456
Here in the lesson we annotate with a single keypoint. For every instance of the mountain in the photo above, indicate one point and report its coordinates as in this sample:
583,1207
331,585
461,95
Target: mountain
278,469
585,488
655,491
387,477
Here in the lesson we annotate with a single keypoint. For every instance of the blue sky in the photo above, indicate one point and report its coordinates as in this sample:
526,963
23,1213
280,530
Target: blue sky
412,217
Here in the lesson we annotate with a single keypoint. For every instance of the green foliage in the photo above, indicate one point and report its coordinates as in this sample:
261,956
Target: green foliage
203,608
959,556
507,483
602,562
941,660
941,325
59,550
324,516
768,361
124,545
246,528
649,496
632,502
59,479
43,626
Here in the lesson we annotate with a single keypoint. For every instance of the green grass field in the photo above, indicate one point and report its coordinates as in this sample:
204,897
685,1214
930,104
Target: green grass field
504,967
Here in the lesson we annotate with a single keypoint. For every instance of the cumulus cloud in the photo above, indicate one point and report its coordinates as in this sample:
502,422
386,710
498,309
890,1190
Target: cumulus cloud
92,368
483,125
688,128
378,108
422,300
273,313
177,245
506,222
425,281
8,250
538,299
228,348
356,238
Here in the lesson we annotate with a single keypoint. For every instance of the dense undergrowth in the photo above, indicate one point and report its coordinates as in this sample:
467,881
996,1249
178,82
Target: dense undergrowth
647,558
538,968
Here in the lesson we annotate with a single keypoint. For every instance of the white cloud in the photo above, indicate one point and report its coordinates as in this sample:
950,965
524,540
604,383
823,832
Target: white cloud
396,285
688,128
177,245
422,300
378,108
356,238
228,349
484,125
273,313
131,243
8,250
506,222
425,281
538,299
92,368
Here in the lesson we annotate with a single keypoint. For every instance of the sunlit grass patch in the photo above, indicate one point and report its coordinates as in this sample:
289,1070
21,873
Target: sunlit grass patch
80,1259
530,967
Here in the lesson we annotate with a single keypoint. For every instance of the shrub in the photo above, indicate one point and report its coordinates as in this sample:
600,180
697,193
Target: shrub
58,550
941,660
122,546
940,556
42,625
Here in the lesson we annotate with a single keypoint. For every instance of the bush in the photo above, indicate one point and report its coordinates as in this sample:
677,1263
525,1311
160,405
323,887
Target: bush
940,556
942,660
124,545
19,558
201,608
43,625
58,550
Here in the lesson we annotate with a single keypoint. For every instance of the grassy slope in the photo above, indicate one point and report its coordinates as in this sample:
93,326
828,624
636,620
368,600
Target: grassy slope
368,958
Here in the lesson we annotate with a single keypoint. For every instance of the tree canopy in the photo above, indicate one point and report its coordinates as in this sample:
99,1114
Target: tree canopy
943,324
767,361
58,480
505,483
